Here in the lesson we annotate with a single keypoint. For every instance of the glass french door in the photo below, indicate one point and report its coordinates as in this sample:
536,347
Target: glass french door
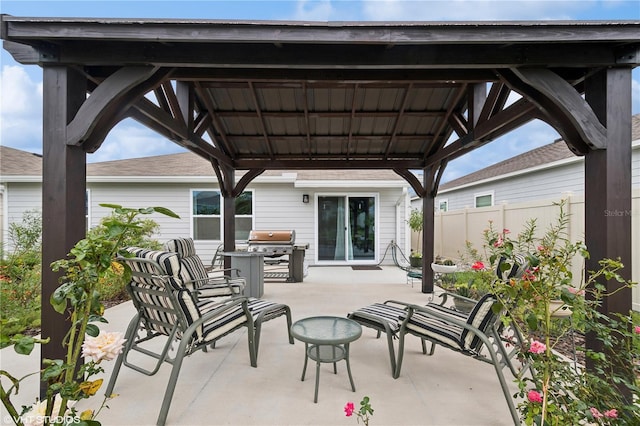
346,228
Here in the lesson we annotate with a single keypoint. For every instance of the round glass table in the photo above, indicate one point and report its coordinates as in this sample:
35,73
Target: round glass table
326,339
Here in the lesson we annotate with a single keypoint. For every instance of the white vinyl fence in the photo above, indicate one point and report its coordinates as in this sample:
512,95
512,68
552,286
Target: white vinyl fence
454,228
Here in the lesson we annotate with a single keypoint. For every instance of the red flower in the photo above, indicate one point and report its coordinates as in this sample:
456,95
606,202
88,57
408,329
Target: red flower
534,396
478,266
349,409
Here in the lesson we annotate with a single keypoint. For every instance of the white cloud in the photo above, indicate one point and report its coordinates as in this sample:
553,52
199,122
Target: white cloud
313,10
20,109
128,139
477,10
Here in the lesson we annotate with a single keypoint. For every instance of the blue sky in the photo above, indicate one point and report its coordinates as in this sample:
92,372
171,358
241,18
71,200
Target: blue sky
21,87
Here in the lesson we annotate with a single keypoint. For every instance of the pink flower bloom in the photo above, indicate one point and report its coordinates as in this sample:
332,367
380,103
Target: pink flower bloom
637,329
505,231
537,347
478,266
534,396
499,242
595,413
611,414
348,409
575,291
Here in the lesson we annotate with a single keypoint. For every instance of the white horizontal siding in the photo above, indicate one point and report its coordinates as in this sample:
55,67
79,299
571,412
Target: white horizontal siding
277,206
538,185
20,198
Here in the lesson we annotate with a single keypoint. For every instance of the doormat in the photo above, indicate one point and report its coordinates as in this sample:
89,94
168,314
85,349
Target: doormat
366,268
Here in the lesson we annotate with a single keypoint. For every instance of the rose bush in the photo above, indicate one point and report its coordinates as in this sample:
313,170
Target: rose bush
534,272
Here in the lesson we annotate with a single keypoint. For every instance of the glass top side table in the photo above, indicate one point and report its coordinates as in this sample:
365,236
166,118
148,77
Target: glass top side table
327,340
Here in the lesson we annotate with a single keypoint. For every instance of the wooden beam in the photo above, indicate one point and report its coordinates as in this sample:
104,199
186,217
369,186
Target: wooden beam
411,180
575,109
110,98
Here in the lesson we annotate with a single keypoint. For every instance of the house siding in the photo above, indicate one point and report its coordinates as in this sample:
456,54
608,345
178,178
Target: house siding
276,206
19,198
561,179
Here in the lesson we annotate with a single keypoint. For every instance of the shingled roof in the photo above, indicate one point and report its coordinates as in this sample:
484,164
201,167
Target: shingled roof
15,162
546,154
21,163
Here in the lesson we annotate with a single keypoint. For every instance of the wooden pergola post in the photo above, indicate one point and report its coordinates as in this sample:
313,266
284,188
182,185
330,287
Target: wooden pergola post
608,184
63,194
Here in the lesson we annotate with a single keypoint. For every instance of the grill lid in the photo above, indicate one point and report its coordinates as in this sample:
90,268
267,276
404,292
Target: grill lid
272,237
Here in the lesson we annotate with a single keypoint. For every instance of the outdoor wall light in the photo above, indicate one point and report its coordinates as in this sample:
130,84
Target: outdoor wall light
305,198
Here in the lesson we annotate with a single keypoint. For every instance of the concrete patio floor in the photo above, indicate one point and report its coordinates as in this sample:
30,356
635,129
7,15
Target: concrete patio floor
219,387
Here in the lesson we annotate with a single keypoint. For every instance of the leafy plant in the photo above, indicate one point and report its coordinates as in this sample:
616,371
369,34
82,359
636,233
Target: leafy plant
416,223
363,413
20,270
89,261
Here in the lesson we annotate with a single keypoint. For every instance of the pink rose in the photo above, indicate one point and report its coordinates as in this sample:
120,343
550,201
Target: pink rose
637,329
534,396
575,291
611,414
537,347
348,409
595,413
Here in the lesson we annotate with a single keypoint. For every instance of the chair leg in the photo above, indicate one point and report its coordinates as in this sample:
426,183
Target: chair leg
396,372
130,338
173,378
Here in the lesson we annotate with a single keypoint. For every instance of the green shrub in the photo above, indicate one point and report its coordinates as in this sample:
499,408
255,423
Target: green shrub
20,270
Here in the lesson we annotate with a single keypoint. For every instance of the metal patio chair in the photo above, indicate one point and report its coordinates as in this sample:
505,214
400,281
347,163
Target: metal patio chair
168,311
208,285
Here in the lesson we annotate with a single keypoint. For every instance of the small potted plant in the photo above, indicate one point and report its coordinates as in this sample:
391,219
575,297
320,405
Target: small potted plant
416,223
444,266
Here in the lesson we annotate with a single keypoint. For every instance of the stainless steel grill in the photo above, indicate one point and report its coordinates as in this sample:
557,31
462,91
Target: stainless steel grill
271,243
274,245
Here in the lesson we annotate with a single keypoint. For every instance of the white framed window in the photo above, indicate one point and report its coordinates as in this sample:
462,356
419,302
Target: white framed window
443,205
484,199
244,215
207,215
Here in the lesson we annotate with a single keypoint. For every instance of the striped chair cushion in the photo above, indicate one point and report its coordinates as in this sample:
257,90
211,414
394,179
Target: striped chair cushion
192,269
169,264
513,268
267,308
383,313
481,317
448,334
435,329
221,324
191,266
185,247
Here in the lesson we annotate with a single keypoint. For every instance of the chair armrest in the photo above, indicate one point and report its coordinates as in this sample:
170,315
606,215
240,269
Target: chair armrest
447,294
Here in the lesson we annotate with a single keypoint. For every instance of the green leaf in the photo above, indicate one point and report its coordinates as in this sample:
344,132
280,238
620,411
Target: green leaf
93,330
25,345
110,206
58,299
532,321
165,211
